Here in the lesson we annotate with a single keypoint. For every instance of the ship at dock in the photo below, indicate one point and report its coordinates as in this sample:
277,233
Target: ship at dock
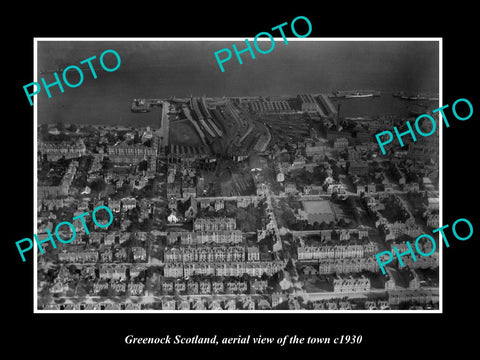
145,105
355,94
358,95
140,106
415,97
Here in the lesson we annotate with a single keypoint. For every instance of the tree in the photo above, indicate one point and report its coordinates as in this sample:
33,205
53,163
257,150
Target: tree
81,291
63,162
245,220
300,225
44,131
72,128
137,139
72,269
288,217
98,185
334,196
290,268
111,293
60,126
146,225
143,165
107,164
148,143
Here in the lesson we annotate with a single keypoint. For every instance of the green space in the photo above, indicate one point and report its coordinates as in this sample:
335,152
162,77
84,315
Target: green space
182,133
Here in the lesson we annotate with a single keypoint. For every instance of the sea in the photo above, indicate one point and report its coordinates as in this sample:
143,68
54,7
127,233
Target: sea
162,69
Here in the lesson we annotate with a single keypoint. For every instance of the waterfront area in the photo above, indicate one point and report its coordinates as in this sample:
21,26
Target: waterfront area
239,203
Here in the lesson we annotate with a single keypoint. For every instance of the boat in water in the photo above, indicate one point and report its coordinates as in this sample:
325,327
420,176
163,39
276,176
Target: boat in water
416,97
140,106
417,109
357,95
353,94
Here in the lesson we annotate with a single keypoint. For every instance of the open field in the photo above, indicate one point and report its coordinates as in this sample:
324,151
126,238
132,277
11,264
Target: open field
182,133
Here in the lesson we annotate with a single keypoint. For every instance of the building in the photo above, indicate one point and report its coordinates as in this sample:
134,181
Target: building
139,254
253,253
46,188
351,284
338,188
255,163
258,286
205,287
290,188
433,221
167,287
327,106
192,287
204,254
340,143
173,270
219,237
316,150
128,203
280,176
362,188
214,224
68,149
114,205
168,304
262,142
172,255
411,187
78,257
269,106
130,153
308,104
358,168
117,273
433,203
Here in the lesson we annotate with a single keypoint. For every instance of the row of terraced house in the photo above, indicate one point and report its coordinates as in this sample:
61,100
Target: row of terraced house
45,189
57,150
204,237
133,288
139,254
336,251
205,287
421,262
214,224
345,266
254,269
351,284
211,254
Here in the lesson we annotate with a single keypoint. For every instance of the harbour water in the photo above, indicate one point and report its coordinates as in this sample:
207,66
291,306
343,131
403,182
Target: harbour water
381,105
169,68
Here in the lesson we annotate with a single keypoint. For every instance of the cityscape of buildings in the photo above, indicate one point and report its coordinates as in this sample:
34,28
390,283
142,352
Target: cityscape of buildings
240,203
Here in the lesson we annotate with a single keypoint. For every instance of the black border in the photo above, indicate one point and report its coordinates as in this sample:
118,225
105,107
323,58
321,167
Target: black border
105,333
